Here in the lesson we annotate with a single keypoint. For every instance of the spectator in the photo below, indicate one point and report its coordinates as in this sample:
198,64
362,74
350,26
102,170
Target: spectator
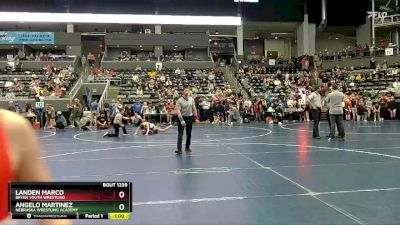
61,122
139,91
372,63
101,121
91,59
206,105
377,111
50,117
170,107
178,71
361,111
234,115
76,112
396,83
384,65
392,108
137,108
85,121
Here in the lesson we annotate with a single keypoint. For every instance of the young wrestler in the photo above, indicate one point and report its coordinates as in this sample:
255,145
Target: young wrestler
150,128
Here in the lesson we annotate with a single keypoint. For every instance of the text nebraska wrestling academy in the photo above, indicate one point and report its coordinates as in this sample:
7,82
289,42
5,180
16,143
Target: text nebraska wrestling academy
45,207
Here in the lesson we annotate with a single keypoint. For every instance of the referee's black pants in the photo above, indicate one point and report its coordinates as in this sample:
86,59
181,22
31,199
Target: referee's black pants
189,123
316,114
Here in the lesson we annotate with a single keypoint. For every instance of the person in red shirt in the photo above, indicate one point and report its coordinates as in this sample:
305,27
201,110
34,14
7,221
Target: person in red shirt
170,107
382,45
19,160
91,59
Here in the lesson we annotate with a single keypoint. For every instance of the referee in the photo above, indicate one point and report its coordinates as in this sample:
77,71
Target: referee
186,110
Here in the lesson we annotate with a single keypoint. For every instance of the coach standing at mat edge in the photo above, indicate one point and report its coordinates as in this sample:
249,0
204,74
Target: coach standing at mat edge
335,101
315,102
186,110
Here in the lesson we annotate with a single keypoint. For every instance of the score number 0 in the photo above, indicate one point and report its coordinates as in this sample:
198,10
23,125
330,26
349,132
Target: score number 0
121,195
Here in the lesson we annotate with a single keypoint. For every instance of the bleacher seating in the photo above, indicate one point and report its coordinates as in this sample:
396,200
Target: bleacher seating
190,78
24,79
371,80
368,81
256,79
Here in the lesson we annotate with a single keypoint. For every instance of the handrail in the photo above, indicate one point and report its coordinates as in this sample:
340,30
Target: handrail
76,87
387,21
114,79
212,59
104,96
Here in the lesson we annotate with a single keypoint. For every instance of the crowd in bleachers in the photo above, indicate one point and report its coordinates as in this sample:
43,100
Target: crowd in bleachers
150,56
42,56
152,95
282,92
273,93
176,57
356,51
49,81
140,56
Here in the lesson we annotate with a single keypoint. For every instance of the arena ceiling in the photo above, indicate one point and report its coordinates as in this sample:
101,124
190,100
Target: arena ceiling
340,12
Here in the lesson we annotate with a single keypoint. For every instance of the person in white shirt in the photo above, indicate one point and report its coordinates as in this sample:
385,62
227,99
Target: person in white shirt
396,83
315,102
178,71
368,106
247,103
153,110
135,78
205,105
168,82
287,76
162,78
139,91
211,76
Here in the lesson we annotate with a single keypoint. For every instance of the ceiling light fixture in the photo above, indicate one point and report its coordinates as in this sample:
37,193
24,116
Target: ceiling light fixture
35,17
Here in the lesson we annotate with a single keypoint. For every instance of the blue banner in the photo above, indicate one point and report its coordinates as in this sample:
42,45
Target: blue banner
26,38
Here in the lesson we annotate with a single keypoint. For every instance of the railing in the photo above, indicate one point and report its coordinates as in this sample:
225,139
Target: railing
212,58
76,87
86,72
94,79
104,96
391,20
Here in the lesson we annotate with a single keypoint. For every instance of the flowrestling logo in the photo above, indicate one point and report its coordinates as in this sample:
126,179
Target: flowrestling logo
379,15
21,37
6,38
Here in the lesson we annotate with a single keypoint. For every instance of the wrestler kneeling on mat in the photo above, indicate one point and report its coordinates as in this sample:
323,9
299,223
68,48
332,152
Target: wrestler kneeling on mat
150,128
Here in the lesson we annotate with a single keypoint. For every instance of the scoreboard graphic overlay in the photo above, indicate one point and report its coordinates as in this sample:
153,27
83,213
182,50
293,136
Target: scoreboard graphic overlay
70,200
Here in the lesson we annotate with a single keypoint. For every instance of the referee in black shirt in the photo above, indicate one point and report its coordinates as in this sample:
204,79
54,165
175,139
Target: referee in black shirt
186,110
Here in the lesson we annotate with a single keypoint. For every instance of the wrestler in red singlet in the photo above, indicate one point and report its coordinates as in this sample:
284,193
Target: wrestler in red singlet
5,174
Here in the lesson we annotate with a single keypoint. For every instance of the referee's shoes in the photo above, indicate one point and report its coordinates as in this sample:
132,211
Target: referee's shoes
179,152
